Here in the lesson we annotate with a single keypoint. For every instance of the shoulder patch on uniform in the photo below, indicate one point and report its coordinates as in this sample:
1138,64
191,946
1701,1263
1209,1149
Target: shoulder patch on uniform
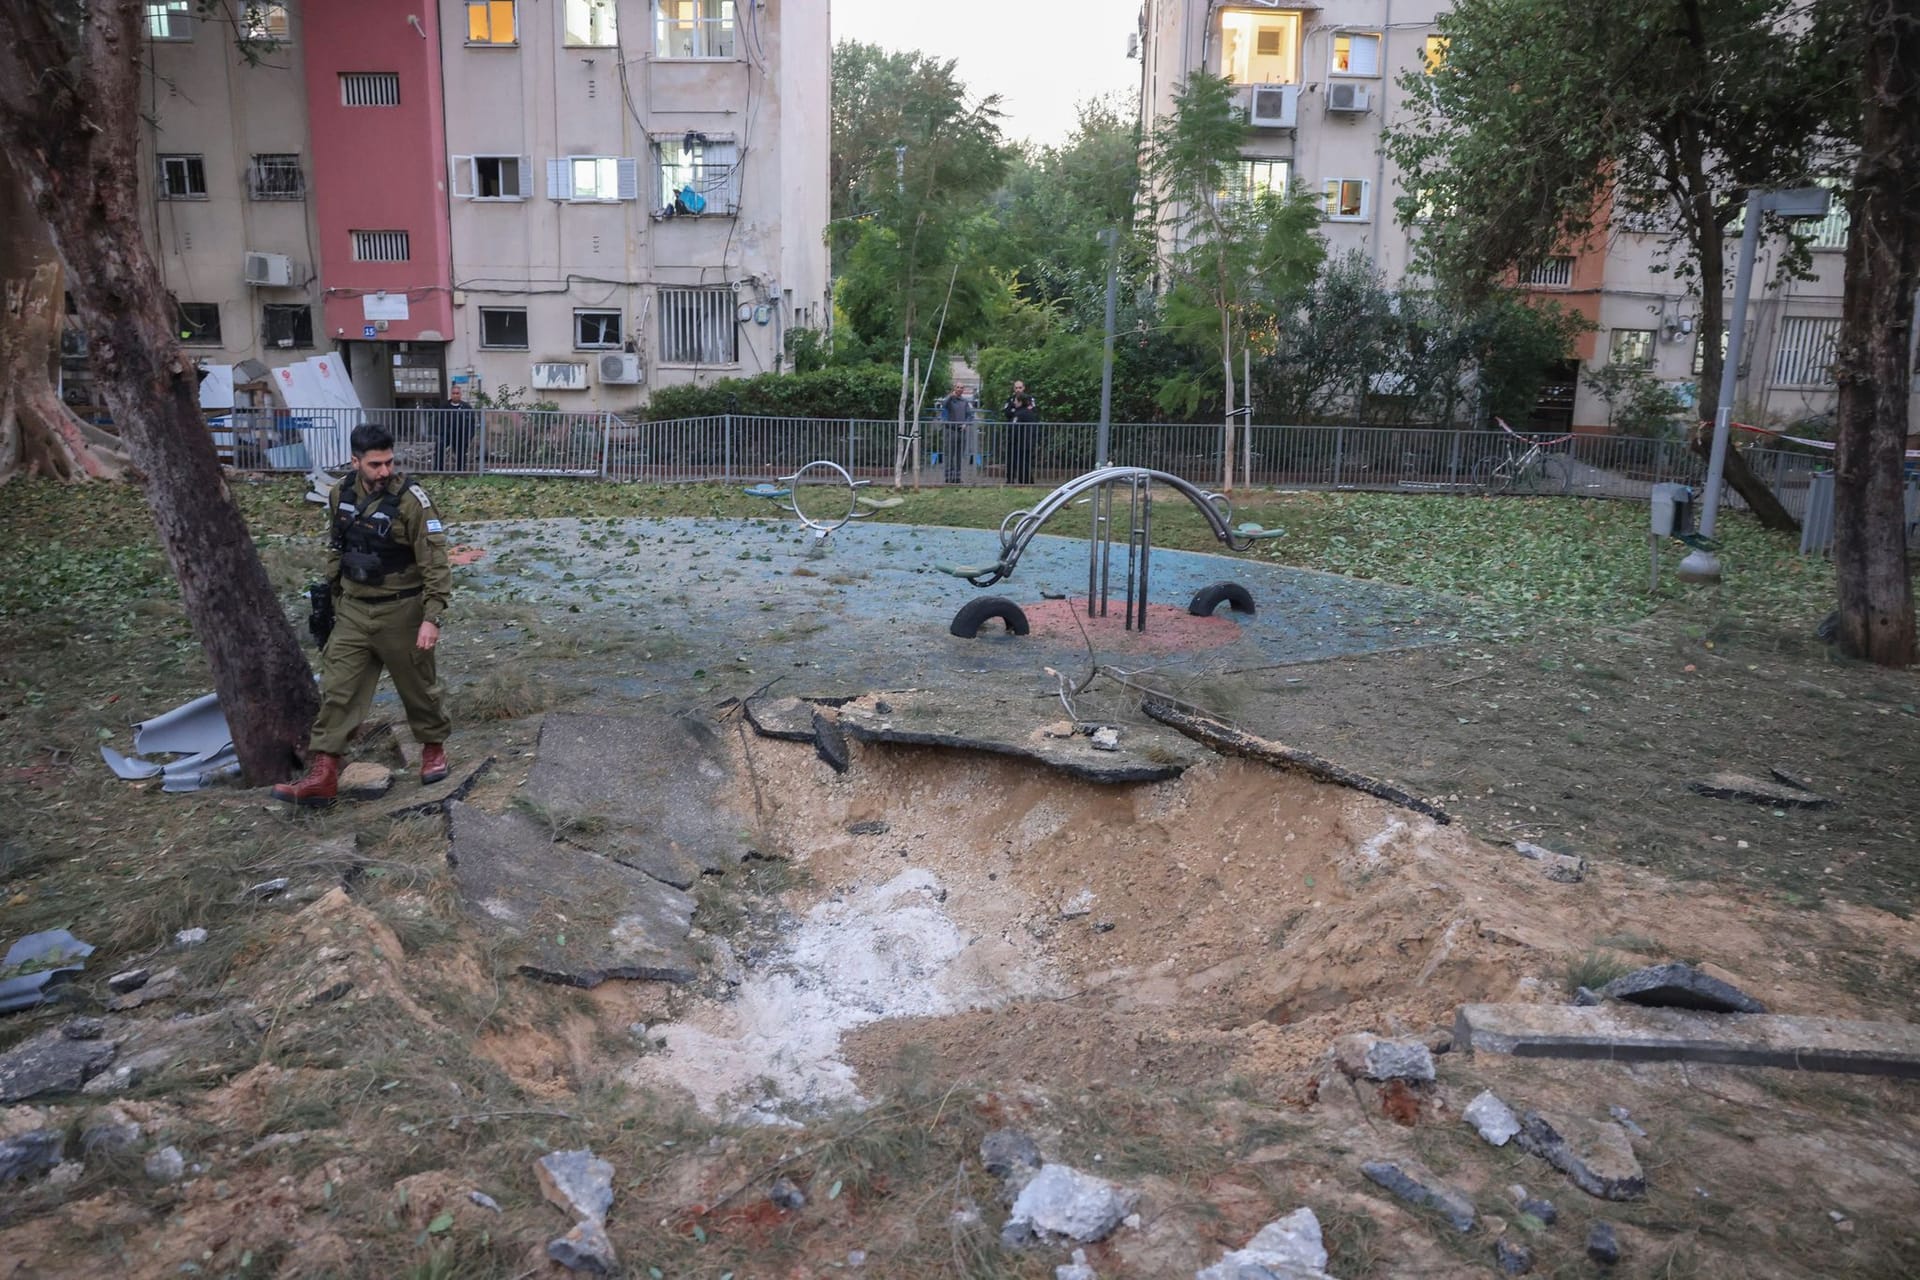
433,525
420,495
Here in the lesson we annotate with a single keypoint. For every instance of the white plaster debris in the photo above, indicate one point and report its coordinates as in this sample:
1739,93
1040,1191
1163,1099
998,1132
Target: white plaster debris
1290,1248
890,951
1374,845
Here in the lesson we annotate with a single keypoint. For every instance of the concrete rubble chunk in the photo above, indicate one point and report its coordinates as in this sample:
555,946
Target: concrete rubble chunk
1603,1246
1289,1248
1106,739
30,1154
265,889
1077,1269
1545,1211
1738,786
1565,868
130,980
1062,1201
166,1165
1493,1118
1512,1257
1422,1190
128,1072
365,780
50,1063
112,1131
1625,1033
1004,725
188,938
1080,904
585,1248
1006,1150
1596,1155
1680,986
786,1195
1363,1055
582,919
830,744
160,986
83,1028
579,1182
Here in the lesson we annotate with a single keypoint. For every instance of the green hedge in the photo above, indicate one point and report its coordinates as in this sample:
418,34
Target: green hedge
859,391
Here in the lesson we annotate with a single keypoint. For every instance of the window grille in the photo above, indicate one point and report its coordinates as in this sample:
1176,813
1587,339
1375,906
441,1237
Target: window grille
1803,356
276,177
1554,273
698,326
370,88
380,246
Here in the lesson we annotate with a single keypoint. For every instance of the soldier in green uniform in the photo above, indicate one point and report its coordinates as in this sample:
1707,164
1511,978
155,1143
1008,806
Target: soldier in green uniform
387,566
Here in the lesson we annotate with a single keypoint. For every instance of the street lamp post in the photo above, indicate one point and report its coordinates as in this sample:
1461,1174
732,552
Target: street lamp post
1702,565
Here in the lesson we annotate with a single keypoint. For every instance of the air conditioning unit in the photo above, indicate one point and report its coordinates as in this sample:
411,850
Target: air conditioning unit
272,269
1273,106
1347,99
620,366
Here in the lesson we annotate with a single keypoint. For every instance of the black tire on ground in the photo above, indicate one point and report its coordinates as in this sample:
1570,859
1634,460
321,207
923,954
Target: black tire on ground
1208,599
966,623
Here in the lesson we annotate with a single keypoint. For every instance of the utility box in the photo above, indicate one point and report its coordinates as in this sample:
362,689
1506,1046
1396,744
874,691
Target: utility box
1673,511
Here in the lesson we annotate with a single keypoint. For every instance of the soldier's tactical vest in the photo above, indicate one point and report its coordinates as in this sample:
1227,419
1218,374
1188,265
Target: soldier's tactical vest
364,538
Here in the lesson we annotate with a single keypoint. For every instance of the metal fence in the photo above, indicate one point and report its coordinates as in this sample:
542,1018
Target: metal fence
738,448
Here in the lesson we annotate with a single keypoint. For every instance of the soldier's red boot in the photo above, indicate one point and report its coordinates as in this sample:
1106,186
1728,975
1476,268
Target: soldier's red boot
320,785
433,762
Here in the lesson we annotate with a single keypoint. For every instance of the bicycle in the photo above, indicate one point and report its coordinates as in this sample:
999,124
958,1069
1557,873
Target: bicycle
1531,469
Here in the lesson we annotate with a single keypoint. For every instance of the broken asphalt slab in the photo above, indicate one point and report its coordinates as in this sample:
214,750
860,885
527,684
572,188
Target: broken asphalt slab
583,918
1016,727
1620,1033
1738,786
788,719
667,775
1596,1154
51,1063
1680,986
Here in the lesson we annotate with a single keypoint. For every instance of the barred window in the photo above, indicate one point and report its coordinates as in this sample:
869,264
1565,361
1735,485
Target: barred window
1830,232
1554,273
698,176
698,326
370,88
276,177
198,323
380,246
286,325
1803,357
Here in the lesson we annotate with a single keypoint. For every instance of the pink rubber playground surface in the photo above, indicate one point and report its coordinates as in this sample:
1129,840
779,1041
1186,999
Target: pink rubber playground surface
1170,628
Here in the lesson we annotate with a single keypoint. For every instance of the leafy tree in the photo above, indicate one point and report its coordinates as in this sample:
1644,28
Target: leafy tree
1547,113
1234,258
1638,404
910,225
70,89
1873,364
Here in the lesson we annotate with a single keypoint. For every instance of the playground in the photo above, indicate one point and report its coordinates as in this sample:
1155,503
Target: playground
895,897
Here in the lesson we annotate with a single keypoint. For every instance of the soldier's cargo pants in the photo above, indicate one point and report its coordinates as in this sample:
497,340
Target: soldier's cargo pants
367,638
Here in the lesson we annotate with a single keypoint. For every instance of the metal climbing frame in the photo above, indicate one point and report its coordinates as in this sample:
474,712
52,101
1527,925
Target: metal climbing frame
1018,529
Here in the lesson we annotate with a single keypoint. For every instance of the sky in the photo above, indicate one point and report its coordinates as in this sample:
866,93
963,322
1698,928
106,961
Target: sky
1041,56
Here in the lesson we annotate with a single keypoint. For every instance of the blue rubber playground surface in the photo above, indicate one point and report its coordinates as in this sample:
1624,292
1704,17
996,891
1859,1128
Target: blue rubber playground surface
761,597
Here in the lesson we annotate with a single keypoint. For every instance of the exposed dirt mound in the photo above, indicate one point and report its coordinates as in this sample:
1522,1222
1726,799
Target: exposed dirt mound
1230,922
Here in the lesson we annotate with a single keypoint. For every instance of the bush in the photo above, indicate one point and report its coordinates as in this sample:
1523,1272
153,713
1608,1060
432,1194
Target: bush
861,391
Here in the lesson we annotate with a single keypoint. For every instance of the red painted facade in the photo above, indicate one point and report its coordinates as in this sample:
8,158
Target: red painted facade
379,168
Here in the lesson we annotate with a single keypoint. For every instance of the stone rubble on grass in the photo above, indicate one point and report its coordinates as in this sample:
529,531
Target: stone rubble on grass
1367,1056
1080,904
1625,1117
1739,786
128,1072
581,1184
51,1063
130,980
364,780
189,938
1012,1157
30,1154
1680,986
112,1131
1493,1118
1106,739
1566,868
1062,1201
1542,1211
1289,1248
785,1195
1596,1155
1512,1257
166,1165
1076,1269
265,889
158,986
1602,1245
1587,997
1425,1192
484,1200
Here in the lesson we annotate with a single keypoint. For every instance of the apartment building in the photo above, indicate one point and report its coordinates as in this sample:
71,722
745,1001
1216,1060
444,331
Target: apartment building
1321,83
579,199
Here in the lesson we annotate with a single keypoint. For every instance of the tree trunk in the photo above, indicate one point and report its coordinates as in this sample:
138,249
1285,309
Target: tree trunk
70,78
1872,362
39,435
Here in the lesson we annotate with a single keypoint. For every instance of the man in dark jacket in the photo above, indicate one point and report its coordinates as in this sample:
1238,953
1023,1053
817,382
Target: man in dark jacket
455,425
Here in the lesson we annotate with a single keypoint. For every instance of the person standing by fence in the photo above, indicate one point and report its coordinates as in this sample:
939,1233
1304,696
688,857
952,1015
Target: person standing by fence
1023,430
454,428
956,412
